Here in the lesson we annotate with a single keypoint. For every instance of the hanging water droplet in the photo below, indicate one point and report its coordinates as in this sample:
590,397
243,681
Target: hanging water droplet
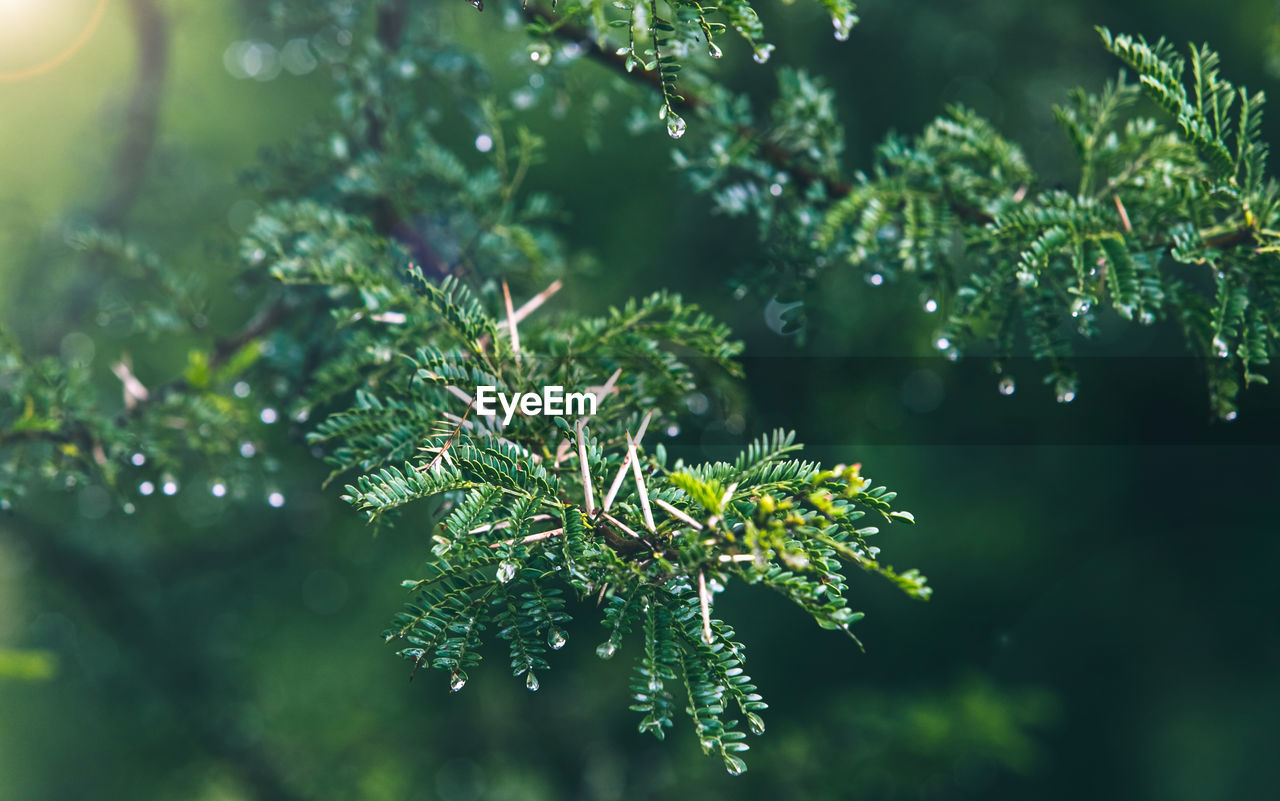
714,50
1066,390
389,636
942,343
1147,318
606,649
540,53
930,306
1230,415
875,279
556,639
844,26
762,54
675,125
1080,306
755,722
1026,278
531,681
478,5
1220,348
1006,385
734,765
457,681
506,571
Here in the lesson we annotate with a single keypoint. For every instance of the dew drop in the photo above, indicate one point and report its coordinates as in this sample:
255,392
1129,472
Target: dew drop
506,571
763,53
931,305
128,508
844,26
247,450
1080,306
457,681
1007,386
484,143
1066,390
755,722
146,488
675,125
556,639
138,459
606,649
276,500
540,53
875,279
1229,416
269,415
673,430
170,487
531,681
1220,348
734,765
942,343
218,490
775,190
714,50
1146,318
241,389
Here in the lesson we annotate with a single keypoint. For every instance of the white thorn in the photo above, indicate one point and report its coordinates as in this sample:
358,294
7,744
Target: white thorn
511,321
586,470
625,528
626,462
728,495
640,487
541,535
674,512
504,524
704,600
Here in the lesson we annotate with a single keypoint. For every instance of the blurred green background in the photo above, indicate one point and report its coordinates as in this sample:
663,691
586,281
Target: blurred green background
1104,622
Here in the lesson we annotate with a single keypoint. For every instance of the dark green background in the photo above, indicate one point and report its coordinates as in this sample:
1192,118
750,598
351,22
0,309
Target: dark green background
1104,623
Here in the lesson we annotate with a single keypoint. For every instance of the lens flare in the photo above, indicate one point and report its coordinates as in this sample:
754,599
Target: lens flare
12,12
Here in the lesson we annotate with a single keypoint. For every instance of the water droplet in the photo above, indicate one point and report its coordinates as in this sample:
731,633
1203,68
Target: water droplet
506,571
241,389
942,343
276,499
1026,278
756,722
146,488
247,450
606,649
1220,348
714,50
1229,416
540,53
675,125
1147,318
1007,386
531,681
673,430
138,460
1066,390
763,53
844,26
170,487
478,5
930,306
734,765
484,143
128,508
1080,306
218,490
775,190
875,279
269,415
556,639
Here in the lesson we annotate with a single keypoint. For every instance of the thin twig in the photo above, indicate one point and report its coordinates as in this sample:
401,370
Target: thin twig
640,487
676,513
